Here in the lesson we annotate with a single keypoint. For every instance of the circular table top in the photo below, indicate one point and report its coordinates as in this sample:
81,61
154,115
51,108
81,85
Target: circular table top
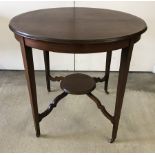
77,25
78,84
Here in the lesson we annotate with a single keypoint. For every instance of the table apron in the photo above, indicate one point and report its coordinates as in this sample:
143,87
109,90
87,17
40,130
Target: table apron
76,48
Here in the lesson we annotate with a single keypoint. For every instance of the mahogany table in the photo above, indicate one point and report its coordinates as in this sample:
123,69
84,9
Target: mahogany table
77,30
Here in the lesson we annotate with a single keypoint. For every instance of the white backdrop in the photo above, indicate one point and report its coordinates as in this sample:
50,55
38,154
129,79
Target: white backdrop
143,56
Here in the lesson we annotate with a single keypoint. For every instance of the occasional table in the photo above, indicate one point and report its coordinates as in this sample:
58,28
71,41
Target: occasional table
77,30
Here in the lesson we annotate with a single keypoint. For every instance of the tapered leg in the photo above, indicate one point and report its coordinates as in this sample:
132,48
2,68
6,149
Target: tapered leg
107,70
123,73
47,69
30,76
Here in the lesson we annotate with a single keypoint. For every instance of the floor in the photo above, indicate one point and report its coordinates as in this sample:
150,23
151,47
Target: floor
76,124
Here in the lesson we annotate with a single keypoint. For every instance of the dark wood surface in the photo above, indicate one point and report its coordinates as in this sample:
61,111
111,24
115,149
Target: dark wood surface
77,25
78,84
30,77
77,30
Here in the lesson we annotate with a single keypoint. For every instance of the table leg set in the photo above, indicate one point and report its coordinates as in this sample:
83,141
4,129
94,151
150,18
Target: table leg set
77,84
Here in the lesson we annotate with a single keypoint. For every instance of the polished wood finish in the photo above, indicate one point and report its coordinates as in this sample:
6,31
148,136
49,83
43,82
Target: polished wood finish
29,73
77,25
107,70
101,107
52,105
77,48
123,74
78,84
77,30
47,69
59,78
56,78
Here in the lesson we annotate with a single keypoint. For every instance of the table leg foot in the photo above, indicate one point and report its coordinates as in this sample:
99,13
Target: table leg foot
38,133
112,140
106,91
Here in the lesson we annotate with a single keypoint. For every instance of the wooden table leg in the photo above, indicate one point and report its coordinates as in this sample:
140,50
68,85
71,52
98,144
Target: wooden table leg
47,69
107,70
30,76
123,74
